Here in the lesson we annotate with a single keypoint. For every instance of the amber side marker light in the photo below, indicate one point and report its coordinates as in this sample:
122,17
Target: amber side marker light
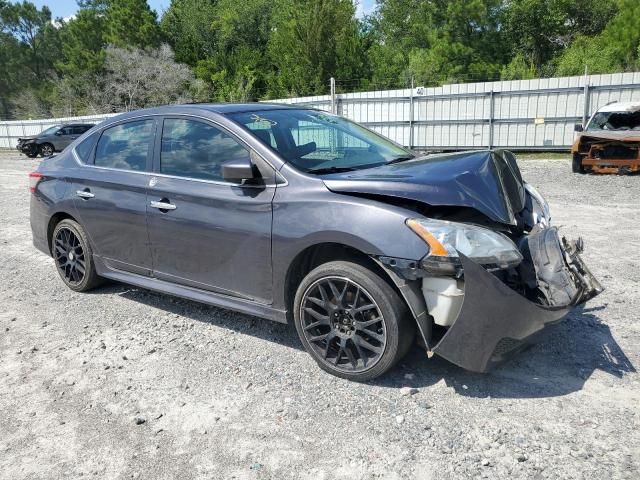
34,178
436,248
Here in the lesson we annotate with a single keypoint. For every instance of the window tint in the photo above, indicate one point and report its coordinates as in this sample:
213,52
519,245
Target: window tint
196,150
84,148
66,131
79,130
125,146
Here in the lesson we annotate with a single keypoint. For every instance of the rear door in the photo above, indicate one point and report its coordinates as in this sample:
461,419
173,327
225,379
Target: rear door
64,137
110,194
214,235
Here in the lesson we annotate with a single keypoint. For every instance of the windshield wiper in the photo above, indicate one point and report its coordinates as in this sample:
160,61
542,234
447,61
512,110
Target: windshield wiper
331,170
401,159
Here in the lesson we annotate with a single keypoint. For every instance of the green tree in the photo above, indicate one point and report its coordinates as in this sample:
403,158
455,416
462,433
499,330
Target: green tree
131,23
83,42
542,29
37,36
436,41
188,27
311,41
616,49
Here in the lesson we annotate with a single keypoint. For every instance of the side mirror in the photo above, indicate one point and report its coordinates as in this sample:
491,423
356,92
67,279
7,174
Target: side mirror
578,127
238,170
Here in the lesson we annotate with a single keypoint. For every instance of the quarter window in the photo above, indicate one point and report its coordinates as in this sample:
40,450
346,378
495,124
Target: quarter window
83,150
125,146
196,150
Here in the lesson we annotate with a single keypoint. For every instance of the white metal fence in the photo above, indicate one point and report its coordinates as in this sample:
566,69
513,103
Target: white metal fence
520,115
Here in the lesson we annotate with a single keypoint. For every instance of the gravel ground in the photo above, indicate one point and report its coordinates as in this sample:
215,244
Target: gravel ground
125,383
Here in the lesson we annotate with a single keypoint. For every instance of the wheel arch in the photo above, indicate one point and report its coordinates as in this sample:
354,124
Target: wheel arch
54,220
320,253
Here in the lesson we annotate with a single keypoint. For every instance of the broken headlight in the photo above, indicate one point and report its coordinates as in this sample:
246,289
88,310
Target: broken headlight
540,208
446,239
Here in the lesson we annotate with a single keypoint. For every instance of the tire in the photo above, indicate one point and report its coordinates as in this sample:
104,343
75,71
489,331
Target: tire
359,328
576,164
46,150
72,253
32,152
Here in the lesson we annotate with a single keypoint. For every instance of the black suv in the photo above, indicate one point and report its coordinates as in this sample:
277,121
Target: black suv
53,139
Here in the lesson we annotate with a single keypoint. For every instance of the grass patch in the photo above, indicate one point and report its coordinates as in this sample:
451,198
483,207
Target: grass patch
543,156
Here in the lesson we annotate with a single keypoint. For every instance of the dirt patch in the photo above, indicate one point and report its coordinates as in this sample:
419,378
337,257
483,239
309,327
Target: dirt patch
125,383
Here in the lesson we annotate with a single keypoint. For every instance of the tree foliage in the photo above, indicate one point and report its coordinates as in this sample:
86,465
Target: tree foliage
117,54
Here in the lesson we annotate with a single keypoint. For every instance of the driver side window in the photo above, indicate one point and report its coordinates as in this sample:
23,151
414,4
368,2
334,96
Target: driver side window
195,149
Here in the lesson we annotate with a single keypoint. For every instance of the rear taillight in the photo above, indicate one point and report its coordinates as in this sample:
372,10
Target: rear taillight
34,178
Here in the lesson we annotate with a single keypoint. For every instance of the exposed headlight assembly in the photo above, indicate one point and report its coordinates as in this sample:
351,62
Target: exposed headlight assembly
541,212
446,239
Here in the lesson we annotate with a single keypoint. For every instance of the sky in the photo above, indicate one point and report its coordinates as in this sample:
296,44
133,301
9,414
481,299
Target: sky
66,8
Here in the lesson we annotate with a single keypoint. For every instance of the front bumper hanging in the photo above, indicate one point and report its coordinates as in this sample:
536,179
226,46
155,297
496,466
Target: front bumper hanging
495,320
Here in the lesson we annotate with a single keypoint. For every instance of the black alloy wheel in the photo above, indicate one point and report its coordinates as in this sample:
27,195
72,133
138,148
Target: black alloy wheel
69,256
351,321
343,324
73,256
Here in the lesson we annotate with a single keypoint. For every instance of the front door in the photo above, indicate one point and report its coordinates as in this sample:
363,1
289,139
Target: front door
110,195
207,233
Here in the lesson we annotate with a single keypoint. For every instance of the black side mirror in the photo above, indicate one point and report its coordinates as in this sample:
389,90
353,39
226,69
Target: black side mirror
578,127
238,170
58,133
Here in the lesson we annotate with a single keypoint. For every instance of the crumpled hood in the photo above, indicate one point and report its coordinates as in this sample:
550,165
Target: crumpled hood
487,181
33,137
621,136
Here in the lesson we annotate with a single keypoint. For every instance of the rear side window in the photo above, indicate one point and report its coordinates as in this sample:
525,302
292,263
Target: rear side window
196,150
125,146
84,148
80,129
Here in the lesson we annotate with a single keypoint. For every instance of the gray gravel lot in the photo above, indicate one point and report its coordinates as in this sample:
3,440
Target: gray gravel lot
125,383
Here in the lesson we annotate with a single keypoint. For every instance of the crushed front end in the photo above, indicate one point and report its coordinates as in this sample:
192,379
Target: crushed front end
502,311
486,289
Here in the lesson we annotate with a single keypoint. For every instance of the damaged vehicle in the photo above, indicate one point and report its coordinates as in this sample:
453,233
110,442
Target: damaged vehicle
610,143
297,215
51,140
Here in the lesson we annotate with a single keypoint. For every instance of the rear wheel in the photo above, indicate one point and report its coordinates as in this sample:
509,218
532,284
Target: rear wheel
73,256
352,323
46,149
576,164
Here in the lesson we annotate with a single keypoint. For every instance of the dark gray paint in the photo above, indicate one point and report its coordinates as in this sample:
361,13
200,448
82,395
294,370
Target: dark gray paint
60,139
232,245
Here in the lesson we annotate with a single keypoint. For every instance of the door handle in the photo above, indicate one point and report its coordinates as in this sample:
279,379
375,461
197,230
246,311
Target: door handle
84,194
163,205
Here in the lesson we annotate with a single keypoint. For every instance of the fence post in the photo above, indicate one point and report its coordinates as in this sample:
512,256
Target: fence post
332,85
586,95
411,115
491,115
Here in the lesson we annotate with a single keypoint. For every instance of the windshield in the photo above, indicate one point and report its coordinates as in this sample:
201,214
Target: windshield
319,142
615,121
51,130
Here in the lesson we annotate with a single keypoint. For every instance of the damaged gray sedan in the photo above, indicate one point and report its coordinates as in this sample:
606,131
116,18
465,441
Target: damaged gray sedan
297,215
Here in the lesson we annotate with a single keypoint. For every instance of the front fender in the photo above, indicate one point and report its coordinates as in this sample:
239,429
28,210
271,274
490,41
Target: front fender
318,216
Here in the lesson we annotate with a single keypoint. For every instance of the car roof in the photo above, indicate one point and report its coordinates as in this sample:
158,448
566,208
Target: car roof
224,108
219,108
621,107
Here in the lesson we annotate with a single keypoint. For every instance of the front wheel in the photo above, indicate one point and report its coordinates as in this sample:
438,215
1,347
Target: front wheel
46,150
73,256
351,321
576,164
